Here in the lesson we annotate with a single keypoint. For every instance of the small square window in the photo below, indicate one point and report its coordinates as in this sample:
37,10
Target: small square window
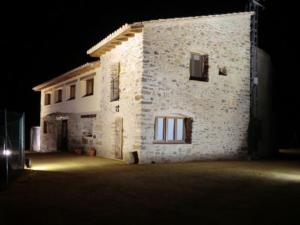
47,100
223,71
58,96
72,91
89,87
199,67
86,86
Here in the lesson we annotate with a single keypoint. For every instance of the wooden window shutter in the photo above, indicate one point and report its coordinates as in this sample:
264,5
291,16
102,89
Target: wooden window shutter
112,87
192,67
47,99
188,130
89,87
205,67
115,82
59,95
72,91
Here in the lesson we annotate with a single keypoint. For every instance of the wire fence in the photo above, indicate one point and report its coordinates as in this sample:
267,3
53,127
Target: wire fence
12,143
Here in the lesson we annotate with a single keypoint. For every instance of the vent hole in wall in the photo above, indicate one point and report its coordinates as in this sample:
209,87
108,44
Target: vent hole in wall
223,71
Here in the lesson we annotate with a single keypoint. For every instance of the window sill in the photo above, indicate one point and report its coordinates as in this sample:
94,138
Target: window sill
87,95
70,99
199,79
58,102
170,142
88,136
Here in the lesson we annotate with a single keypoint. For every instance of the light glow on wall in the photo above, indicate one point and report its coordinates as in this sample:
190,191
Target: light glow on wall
288,176
63,166
277,175
57,167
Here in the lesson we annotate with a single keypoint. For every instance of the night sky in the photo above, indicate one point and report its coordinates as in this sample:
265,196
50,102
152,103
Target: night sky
40,41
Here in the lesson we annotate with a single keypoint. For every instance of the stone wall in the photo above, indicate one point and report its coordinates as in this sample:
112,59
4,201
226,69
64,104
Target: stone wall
81,132
49,139
129,55
154,81
77,132
219,108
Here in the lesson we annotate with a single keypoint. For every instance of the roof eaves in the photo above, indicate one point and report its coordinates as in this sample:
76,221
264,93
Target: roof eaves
117,37
72,73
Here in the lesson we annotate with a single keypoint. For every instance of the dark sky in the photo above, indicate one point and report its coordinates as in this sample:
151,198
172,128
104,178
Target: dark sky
42,40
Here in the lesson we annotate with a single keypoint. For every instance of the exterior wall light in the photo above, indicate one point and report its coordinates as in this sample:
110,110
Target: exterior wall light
7,152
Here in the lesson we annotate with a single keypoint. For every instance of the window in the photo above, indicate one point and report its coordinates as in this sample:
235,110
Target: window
170,129
115,82
72,91
223,71
45,127
88,116
159,129
58,96
89,90
47,99
199,67
86,87
173,130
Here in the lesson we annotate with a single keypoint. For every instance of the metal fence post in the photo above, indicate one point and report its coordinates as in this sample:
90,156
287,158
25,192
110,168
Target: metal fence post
5,144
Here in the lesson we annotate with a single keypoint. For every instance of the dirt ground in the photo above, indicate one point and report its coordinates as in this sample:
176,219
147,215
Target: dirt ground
71,189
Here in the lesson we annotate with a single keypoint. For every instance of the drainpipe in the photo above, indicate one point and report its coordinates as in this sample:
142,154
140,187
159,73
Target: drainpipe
254,129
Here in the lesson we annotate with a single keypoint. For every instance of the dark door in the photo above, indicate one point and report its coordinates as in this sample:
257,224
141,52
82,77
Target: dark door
118,138
64,136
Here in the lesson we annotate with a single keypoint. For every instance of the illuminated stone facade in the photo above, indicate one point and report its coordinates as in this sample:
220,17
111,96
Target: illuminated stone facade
154,81
219,108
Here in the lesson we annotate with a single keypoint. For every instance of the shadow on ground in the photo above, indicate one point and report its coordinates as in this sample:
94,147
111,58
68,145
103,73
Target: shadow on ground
69,189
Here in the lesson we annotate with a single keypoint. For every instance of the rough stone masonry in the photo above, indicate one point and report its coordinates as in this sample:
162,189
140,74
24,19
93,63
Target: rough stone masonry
219,108
154,82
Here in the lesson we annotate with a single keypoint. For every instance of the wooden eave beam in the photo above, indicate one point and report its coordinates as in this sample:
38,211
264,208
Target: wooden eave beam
129,34
116,42
118,39
122,39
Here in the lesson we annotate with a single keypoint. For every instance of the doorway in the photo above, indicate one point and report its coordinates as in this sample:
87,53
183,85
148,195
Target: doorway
63,136
119,138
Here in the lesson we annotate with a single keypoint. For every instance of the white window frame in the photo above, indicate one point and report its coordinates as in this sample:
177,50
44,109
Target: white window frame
165,130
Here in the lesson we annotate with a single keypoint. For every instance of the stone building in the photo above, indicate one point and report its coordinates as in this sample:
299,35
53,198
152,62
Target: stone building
162,90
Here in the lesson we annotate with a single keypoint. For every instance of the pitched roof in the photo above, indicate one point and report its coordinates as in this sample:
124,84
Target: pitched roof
70,74
115,38
129,30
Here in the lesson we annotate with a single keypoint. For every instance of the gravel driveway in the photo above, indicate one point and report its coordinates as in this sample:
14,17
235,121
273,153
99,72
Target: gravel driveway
71,189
